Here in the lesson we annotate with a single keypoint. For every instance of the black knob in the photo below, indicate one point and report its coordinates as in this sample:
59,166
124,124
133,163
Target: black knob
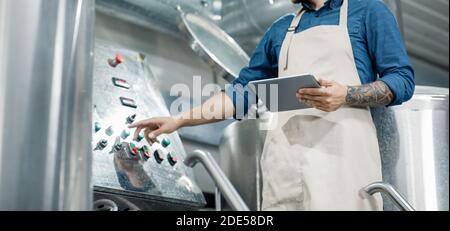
159,156
173,160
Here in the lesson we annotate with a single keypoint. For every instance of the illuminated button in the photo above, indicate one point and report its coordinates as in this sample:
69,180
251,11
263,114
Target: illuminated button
134,151
116,61
140,137
125,134
146,152
102,144
159,157
131,119
97,127
121,83
173,160
165,142
109,131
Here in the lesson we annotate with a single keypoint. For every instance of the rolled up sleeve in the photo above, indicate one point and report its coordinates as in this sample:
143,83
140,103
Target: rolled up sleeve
262,65
387,49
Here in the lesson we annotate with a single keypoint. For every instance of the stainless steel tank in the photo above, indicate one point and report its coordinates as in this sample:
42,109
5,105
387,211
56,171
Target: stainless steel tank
46,60
241,148
414,147
413,141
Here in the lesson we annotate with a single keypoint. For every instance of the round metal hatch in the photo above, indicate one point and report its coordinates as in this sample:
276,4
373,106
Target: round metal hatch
214,45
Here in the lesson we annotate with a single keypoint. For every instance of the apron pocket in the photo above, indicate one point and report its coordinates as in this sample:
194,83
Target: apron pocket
283,185
313,132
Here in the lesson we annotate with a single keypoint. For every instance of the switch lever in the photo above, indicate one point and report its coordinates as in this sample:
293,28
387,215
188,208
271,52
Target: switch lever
101,145
117,146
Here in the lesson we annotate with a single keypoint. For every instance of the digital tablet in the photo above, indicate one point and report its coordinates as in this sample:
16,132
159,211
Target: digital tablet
283,97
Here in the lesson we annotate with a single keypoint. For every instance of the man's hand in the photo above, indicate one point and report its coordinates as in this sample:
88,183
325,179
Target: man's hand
155,127
329,98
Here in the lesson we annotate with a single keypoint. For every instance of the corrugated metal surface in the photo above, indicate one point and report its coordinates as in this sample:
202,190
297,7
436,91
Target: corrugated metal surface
426,27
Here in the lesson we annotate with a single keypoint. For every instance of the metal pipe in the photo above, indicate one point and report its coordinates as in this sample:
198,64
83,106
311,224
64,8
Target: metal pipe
390,191
229,192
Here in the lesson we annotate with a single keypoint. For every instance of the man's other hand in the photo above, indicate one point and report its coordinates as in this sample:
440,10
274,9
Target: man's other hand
329,98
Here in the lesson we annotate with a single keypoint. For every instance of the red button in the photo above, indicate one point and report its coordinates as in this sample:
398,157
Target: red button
116,61
119,59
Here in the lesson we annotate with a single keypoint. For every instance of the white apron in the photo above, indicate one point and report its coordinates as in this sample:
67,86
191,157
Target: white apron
314,160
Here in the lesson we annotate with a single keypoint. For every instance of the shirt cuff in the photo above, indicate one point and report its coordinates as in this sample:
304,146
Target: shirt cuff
394,85
242,99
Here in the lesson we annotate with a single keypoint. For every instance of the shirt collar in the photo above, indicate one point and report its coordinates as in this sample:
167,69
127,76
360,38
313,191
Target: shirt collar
333,4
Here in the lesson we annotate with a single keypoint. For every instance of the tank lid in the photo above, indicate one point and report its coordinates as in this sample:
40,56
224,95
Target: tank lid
213,44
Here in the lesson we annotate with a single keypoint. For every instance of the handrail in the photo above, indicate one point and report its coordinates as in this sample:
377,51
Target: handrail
229,192
390,191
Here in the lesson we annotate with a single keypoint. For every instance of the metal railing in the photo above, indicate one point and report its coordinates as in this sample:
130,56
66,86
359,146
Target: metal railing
222,183
391,192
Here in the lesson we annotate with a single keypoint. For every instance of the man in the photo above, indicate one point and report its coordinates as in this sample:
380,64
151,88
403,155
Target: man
320,158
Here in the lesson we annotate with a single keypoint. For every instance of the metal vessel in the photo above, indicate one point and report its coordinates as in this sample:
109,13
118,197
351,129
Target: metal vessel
241,148
414,146
46,59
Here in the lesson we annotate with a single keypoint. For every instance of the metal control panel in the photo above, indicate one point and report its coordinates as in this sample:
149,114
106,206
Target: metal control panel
124,92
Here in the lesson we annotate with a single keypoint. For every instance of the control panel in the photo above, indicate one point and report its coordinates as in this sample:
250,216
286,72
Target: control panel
125,92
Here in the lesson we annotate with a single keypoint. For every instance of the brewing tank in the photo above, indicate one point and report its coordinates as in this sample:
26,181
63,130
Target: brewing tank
414,148
413,142
46,64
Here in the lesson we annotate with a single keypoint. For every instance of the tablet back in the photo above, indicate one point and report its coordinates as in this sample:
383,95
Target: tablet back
279,94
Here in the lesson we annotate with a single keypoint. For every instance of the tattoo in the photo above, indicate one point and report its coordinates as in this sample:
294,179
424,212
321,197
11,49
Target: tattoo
376,94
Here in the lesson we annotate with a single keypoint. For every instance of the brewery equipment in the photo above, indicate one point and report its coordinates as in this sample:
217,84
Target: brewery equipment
125,91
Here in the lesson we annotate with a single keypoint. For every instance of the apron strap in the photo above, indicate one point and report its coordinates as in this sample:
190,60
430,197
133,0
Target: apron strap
296,21
344,14
291,32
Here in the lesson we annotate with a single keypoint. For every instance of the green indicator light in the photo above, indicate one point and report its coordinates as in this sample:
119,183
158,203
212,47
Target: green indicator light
165,142
98,127
140,137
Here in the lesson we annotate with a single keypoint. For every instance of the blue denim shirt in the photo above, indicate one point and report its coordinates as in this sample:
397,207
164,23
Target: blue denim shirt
377,44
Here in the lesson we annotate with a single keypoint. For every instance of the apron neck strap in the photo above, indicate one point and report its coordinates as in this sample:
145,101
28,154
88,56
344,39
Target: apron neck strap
342,18
296,21
344,13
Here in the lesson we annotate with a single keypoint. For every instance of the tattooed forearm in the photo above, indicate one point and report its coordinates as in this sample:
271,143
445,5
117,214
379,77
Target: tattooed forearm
376,94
